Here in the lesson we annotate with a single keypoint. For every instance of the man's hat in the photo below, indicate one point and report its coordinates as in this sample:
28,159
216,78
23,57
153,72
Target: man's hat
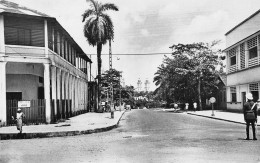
249,96
19,109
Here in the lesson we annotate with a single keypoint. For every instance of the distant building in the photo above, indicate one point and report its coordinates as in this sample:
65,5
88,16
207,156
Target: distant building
123,82
146,85
40,62
243,61
139,85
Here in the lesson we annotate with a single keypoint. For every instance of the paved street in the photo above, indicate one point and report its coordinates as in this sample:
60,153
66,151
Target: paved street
143,136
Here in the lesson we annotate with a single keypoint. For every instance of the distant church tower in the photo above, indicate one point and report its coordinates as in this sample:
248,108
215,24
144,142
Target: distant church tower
139,85
146,85
123,82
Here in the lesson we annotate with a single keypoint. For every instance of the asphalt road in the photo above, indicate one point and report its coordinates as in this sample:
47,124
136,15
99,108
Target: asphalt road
144,136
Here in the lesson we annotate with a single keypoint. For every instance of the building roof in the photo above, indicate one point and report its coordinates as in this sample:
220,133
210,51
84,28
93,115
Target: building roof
7,7
243,22
10,7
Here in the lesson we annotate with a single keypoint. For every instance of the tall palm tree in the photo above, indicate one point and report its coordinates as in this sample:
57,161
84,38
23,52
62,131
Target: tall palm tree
98,29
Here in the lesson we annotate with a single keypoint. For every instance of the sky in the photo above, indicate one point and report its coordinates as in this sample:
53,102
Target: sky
149,27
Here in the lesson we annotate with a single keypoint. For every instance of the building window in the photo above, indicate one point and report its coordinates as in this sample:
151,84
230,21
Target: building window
253,52
233,94
18,36
232,56
233,60
254,90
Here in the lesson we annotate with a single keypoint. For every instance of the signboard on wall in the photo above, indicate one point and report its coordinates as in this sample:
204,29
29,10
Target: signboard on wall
24,104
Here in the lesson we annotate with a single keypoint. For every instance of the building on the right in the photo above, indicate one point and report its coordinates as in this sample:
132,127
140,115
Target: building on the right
243,61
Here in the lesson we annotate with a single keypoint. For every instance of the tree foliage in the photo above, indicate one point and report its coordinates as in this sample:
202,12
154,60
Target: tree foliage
112,78
189,74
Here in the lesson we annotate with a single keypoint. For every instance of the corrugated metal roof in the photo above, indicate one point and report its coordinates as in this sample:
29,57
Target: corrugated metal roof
10,7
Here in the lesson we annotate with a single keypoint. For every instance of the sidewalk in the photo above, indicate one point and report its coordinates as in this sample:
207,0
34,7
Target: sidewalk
82,124
221,115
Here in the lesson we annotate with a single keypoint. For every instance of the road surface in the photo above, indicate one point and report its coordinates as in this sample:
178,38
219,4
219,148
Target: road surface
144,136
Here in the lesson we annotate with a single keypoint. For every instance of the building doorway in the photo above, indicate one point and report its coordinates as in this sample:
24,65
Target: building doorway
255,95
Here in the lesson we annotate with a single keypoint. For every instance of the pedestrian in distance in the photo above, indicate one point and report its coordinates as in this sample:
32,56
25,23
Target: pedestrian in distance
20,116
250,115
195,106
186,107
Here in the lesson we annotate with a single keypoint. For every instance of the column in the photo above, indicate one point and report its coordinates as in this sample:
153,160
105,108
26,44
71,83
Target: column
54,90
76,95
46,49
47,92
67,93
53,42
58,43
59,89
62,93
2,36
3,92
87,95
246,55
72,93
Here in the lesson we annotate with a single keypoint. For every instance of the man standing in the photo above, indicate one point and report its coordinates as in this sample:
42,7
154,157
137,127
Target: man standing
250,115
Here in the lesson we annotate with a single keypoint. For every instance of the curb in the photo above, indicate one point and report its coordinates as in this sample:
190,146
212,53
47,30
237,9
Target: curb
219,119
8,136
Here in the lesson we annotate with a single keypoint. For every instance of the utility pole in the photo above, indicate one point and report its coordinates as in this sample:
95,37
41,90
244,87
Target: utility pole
111,85
120,98
110,67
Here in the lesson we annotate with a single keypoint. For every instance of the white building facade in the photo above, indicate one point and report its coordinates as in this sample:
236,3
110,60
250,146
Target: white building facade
39,60
243,61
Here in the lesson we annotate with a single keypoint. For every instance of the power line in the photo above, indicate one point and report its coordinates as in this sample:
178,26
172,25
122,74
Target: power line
135,54
30,54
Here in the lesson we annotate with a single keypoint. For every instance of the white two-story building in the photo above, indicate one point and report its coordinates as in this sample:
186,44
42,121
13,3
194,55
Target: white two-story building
41,63
243,61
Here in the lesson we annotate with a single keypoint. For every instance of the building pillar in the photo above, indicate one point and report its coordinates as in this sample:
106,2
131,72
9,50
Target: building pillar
2,36
72,94
46,48
67,93
246,55
76,94
3,93
59,89
87,95
54,90
47,93
79,94
58,43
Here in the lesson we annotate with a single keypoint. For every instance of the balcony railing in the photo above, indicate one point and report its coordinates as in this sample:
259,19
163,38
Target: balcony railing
232,68
253,62
17,50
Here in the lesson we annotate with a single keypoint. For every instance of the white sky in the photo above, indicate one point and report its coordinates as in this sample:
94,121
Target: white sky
150,26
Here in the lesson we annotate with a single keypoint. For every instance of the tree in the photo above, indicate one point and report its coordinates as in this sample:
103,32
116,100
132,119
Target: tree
110,77
98,29
190,73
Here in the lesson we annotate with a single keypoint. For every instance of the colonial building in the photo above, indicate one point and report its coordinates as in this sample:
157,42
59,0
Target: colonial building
243,60
41,63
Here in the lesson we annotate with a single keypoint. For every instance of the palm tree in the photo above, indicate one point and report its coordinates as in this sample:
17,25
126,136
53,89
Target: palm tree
98,29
